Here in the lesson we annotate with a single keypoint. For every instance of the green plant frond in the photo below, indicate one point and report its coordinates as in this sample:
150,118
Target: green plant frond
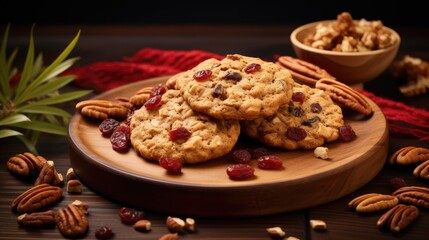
62,67
38,65
27,71
63,97
44,89
59,59
13,119
41,126
4,133
44,110
28,144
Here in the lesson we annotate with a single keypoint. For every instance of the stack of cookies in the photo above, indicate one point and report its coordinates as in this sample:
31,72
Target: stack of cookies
214,102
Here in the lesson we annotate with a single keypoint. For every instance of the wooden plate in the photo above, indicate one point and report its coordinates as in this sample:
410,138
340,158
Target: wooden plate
205,189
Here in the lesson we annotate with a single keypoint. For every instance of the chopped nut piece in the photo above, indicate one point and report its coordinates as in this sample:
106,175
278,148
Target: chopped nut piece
74,186
169,236
318,224
143,225
276,232
70,174
175,224
321,152
83,206
190,224
292,238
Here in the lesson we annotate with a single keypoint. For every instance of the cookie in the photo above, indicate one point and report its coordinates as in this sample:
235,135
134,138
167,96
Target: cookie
236,87
209,138
345,95
307,122
303,71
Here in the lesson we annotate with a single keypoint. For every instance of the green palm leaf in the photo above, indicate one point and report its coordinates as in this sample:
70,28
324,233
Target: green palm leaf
13,119
42,127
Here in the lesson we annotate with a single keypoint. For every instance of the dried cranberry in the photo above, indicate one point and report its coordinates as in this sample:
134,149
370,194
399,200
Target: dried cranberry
270,162
153,102
179,133
253,67
240,171
315,108
232,76
130,215
202,75
120,138
396,183
172,165
309,121
104,233
219,92
296,111
241,156
158,90
129,117
258,152
296,133
346,133
108,125
298,97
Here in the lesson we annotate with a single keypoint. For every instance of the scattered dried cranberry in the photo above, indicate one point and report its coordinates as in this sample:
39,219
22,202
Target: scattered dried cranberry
179,133
396,183
298,97
130,215
270,162
253,67
241,156
153,102
240,171
296,133
346,133
104,233
202,75
158,90
232,76
258,152
107,126
172,165
120,138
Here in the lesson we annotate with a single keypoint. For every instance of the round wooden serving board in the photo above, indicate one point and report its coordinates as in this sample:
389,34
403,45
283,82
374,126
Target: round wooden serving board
205,190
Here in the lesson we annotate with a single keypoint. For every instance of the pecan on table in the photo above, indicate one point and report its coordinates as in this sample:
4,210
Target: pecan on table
414,195
36,198
48,174
36,219
72,221
373,202
398,217
422,170
409,155
26,164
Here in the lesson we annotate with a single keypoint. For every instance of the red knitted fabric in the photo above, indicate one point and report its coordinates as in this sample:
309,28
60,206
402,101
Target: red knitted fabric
150,62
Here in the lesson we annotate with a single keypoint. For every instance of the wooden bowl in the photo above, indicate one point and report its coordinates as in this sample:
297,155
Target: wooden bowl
205,190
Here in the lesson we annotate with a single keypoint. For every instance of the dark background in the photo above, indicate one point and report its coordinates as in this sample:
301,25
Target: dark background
25,12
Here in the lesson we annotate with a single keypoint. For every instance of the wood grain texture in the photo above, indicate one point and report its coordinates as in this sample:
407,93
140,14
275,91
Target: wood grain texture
304,182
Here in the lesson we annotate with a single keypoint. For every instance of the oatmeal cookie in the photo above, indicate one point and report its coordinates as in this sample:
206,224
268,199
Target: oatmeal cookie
307,122
209,138
236,87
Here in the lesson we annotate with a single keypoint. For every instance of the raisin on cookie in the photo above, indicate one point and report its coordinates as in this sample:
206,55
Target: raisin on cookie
236,87
155,133
308,121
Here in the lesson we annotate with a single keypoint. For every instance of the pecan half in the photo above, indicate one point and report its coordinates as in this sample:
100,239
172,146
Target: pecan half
72,221
398,217
169,236
409,155
141,96
344,94
303,71
373,202
36,197
49,175
417,196
102,109
422,170
26,164
36,219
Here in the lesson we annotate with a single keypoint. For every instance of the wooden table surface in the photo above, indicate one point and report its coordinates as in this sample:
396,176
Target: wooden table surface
110,43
